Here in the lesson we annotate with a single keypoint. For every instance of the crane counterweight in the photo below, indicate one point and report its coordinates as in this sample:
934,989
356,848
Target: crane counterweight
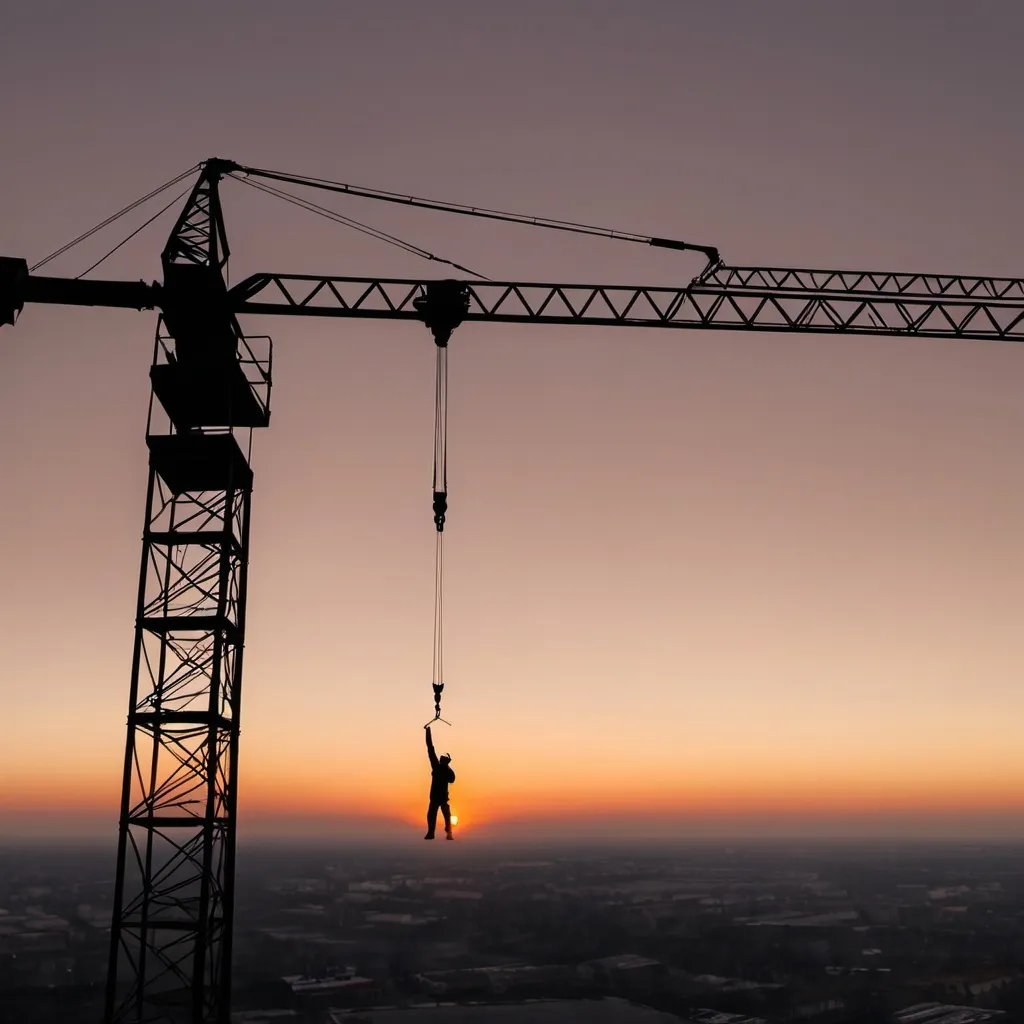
13,275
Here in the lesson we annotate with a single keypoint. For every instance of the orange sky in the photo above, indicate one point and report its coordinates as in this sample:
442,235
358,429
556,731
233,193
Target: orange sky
283,798
690,576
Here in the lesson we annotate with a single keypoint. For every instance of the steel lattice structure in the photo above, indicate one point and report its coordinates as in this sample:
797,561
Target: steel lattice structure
172,925
171,934
732,298
170,940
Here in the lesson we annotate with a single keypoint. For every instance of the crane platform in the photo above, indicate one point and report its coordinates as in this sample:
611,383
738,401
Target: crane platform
189,463
207,396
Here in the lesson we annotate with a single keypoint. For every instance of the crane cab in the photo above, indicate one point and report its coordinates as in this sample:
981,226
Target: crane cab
206,372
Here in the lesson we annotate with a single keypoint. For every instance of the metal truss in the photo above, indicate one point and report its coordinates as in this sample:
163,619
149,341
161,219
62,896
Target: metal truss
866,282
171,936
199,236
730,298
175,861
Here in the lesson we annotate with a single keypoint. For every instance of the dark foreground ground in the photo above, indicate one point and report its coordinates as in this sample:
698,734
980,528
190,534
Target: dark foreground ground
707,933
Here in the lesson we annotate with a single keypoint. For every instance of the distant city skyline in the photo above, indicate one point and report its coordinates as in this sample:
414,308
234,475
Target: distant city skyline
696,580
692,930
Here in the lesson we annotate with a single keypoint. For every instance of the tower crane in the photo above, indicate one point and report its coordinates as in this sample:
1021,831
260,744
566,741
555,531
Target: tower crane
171,936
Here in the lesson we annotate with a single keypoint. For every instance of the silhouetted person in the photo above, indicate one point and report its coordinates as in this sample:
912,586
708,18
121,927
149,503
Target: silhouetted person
441,776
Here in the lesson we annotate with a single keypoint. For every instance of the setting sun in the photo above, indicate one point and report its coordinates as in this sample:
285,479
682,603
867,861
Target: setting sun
455,819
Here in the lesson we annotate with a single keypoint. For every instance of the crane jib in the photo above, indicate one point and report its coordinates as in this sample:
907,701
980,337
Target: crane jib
758,299
730,298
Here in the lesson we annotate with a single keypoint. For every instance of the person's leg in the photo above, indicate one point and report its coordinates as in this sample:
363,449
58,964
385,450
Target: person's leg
446,811
431,820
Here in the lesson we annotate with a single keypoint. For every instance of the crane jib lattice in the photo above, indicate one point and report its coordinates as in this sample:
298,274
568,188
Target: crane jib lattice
733,298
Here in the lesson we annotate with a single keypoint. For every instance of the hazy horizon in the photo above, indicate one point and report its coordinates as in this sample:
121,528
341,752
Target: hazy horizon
968,828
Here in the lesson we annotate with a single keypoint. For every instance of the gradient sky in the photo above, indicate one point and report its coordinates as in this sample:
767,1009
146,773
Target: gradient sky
708,581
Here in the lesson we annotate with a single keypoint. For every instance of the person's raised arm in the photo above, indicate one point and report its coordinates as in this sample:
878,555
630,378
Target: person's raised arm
430,749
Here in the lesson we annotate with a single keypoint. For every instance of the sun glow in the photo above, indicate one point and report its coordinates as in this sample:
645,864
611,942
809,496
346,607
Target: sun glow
455,819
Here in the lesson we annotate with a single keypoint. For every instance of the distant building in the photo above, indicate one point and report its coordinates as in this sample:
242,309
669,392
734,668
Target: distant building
626,974
627,963
533,1011
264,1016
981,982
370,887
720,1017
402,918
344,988
831,919
506,980
720,985
943,1013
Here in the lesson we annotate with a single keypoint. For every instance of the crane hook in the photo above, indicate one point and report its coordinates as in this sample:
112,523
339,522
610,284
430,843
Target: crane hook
442,307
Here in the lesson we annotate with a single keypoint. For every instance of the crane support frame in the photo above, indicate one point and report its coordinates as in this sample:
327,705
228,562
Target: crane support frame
171,934
979,309
172,925
732,298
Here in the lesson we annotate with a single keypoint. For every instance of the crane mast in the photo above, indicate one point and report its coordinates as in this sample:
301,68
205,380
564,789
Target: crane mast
171,936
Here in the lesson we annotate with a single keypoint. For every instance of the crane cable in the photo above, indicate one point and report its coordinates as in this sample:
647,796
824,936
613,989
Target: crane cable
110,220
351,222
710,252
140,228
440,509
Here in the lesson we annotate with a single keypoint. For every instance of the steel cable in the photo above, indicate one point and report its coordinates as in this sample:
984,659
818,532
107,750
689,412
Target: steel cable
110,220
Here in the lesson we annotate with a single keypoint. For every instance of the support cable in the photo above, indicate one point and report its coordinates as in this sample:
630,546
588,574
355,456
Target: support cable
110,220
141,227
350,222
440,509
710,252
